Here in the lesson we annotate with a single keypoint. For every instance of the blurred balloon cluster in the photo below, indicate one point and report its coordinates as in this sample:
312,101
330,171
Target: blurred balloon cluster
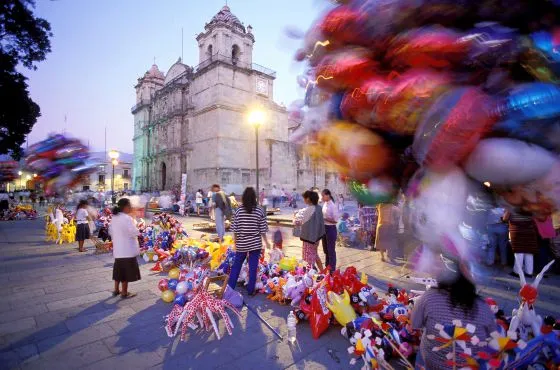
59,161
8,171
435,98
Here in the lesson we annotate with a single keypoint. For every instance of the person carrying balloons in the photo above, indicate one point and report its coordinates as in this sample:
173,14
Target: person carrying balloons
124,234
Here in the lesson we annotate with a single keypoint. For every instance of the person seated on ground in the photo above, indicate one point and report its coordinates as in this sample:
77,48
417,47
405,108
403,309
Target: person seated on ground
455,298
343,228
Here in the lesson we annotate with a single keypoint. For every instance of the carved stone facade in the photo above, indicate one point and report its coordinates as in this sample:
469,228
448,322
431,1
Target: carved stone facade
194,120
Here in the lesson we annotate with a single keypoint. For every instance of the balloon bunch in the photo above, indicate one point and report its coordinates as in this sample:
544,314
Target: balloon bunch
425,96
59,161
182,284
8,171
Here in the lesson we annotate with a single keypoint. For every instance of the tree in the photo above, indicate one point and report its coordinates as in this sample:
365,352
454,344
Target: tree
25,40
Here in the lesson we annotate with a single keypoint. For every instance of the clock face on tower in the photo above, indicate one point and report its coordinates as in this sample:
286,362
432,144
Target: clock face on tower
262,86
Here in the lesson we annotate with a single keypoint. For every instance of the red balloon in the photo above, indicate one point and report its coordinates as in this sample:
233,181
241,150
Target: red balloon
452,127
335,282
320,314
163,285
412,93
345,69
359,105
428,48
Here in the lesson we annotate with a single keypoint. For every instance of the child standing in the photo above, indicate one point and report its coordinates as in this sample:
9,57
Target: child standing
82,225
124,234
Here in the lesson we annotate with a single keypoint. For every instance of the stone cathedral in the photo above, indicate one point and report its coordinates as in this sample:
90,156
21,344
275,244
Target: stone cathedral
193,120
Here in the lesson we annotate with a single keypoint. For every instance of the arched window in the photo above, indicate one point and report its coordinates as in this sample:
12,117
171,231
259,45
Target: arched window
209,52
235,51
163,175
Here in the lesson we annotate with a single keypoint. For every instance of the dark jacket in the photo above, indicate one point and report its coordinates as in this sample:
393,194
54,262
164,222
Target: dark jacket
222,202
314,229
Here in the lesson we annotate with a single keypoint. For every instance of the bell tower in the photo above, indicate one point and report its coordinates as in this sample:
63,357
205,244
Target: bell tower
225,38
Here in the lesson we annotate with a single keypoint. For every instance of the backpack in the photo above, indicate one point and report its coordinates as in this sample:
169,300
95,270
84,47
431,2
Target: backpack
223,203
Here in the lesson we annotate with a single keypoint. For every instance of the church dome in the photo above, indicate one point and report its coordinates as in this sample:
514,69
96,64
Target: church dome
155,72
226,16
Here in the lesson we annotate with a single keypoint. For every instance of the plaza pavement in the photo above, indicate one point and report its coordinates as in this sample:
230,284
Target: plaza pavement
57,312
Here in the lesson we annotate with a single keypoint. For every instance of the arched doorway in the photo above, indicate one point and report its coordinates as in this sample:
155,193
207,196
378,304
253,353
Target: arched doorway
163,175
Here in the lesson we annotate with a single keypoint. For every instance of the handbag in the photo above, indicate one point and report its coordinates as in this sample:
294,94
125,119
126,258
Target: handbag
296,231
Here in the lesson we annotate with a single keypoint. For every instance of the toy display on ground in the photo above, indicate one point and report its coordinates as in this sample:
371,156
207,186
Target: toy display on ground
19,212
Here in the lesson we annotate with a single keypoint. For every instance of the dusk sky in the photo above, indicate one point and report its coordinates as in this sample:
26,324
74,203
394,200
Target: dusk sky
101,47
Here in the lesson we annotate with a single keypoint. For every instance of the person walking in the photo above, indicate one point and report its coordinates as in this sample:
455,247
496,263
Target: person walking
330,216
82,224
222,210
455,298
497,231
198,201
124,235
210,204
524,242
275,196
249,228
293,198
310,227
387,227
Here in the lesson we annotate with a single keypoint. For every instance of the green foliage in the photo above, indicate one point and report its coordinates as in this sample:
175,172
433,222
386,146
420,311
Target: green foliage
24,39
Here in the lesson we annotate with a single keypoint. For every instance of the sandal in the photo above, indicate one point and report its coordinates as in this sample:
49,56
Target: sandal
116,293
128,295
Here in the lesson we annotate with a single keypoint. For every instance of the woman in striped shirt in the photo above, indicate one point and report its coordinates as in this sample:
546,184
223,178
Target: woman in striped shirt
249,230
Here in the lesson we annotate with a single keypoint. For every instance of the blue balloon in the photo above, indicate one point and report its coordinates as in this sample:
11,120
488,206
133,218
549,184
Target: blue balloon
531,101
172,284
543,132
335,111
180,300
544,42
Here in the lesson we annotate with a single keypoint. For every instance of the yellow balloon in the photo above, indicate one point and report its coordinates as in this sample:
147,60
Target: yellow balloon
168,296
174,273
340,307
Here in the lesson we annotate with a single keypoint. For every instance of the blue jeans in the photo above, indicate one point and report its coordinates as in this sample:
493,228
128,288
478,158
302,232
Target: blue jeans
329,246
220,223
497,238
236,269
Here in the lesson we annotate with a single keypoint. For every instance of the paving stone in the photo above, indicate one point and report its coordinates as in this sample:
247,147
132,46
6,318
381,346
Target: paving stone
26,351
76,301
75,339
22,313
17,325
75,358
9,359
129,360
32,336
83,321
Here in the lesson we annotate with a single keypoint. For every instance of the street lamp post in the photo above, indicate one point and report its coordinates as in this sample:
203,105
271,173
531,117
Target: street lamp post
256,118
113,154
20,179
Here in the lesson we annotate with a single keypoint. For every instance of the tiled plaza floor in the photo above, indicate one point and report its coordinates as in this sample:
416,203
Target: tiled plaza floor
57,312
